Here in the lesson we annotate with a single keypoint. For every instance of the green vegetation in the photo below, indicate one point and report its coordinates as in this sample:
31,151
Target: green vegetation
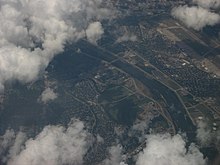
120,104
114,94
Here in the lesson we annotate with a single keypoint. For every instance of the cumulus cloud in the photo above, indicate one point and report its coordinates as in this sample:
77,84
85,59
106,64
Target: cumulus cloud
94,32
127,37
203,133
11,144
32,32
195,17
139,129
208,3
140,126
55,145
17,145
115,156
48,95
167,150
207,133
5,142
99,139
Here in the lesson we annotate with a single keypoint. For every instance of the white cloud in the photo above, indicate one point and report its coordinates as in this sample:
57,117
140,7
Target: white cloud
115,156
17,145
127,37
139,129
48,95
10,144
99,139
206,135
94,32
208,3
55,145
203,133
195,17
167,150
6,141
32,32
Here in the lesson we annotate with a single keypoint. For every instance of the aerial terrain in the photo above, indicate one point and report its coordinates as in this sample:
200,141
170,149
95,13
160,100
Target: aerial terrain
115,82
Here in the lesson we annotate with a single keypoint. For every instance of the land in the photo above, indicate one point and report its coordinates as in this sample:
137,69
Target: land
167,79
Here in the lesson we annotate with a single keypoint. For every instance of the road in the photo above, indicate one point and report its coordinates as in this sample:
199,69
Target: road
176,109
